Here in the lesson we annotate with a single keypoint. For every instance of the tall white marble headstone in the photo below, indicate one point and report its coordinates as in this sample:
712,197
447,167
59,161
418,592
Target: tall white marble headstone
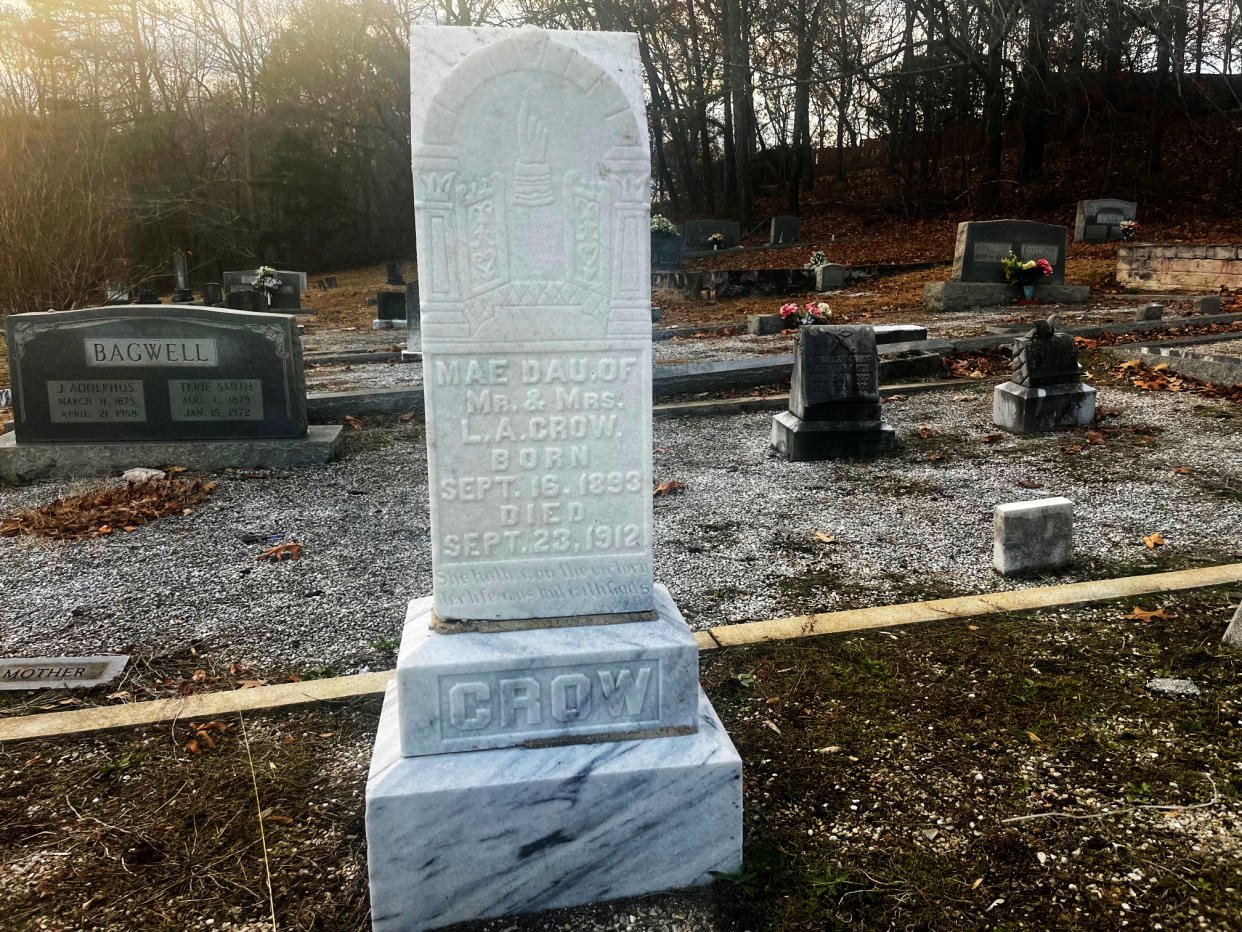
546,742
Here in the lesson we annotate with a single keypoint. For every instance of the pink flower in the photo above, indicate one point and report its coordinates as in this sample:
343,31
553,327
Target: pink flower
1043,266
788,310
810,306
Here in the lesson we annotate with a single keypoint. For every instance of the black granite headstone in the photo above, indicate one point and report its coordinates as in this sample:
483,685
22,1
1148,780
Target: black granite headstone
390,305
213,293
785,229
982,247
147,295
247,300
1044,357
1099,221
287,297
396,275
666,250
150,373
836,374
699,232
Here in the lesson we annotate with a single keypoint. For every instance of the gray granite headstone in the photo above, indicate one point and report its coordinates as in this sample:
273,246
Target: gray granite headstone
147,295
982,247
247,299
829,277
396,275
213,293
131,373
698,233
785,229
1099,221
412,306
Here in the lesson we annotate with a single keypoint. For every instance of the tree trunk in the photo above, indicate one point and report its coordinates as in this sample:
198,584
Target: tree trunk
1035,81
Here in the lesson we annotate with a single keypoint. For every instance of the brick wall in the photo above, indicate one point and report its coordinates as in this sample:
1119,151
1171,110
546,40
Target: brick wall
1179,267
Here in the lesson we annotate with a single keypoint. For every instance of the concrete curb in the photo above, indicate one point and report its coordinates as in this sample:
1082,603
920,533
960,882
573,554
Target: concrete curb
207,706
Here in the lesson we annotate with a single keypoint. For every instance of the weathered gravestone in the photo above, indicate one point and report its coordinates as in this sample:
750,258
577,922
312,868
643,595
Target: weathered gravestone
829,277
213,294
106,388
785,230
1099,221
546,742
288,297
834,397
978,277
389,310
1045,391
60,672
182,293
1032,536
147,295
396,274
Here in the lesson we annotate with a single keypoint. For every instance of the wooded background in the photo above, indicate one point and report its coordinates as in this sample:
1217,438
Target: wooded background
277,130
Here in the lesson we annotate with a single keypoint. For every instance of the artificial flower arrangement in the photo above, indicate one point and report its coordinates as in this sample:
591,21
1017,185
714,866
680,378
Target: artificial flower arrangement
716,239
266,280
817,259
661,224
814,313
1026,272
1129,229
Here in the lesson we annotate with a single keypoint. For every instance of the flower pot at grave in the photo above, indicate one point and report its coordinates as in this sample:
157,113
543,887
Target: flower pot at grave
1028,292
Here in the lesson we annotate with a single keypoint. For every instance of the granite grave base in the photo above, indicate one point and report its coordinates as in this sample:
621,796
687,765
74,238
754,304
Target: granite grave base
379,324
961,296
21,463
1022,410
456,837
480,690
805,441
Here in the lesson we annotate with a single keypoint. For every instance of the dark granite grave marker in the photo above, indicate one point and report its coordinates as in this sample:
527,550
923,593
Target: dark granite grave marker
213,293
147,295
287,297
148,373
834,397
666,250
390,305
785,229
699,232
247,299
1045,357
1099,221
396,275
983,245
412,307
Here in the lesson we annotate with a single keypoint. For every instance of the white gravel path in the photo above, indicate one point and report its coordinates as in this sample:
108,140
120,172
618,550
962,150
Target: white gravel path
737,545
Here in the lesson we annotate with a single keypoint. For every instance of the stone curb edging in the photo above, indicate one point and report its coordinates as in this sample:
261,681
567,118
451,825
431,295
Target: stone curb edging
207,706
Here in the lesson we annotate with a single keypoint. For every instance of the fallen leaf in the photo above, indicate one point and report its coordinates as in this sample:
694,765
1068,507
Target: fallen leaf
826,538
925,431
1029,484
353,422
1139,614
935,456
975,885
1182,470
660,450
200,676
249,684
668,488
1034,737
408,416
291,550
192,746
964,398
992,438
1094,436
1152,541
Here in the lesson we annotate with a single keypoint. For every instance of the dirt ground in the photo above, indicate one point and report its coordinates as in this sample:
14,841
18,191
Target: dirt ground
1010,773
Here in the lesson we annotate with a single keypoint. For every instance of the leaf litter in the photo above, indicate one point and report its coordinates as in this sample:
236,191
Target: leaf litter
104,511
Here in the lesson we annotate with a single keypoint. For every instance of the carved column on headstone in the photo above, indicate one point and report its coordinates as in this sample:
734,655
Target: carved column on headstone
434,186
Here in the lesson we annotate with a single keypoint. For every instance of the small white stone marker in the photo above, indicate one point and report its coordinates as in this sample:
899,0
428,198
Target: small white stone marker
1233,634
59,672
1033,535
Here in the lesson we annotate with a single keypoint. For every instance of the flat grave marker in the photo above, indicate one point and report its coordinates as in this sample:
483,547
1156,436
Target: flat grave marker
59,672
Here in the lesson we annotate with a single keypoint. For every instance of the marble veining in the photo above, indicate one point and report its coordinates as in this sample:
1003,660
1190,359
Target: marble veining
453,837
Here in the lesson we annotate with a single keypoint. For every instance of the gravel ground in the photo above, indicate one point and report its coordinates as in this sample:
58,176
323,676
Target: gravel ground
353,378
352,341
736,545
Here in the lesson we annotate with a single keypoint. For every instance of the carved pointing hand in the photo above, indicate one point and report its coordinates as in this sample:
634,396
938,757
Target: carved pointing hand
532,137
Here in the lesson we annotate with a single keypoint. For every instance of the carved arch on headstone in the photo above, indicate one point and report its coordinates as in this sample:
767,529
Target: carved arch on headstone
463,220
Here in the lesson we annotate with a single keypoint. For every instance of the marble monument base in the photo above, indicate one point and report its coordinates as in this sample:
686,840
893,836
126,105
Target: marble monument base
456,837
806,441
1022,410
473,691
